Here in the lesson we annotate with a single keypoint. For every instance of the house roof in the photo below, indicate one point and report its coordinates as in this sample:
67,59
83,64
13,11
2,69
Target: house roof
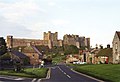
95,51
32,49
105,52
36,50
118,33
29,49
19,54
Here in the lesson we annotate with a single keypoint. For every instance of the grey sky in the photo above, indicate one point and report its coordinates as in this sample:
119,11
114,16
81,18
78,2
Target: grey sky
97,19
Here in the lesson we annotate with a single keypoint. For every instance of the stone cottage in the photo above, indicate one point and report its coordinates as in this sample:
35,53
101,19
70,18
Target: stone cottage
116,47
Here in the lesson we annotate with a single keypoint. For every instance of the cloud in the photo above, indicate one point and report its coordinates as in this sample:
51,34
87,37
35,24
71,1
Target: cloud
51,3
60,22
8,28
20,10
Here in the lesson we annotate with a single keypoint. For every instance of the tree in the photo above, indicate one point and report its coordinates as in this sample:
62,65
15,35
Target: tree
43,49
3,48
5,59
71,49
56,50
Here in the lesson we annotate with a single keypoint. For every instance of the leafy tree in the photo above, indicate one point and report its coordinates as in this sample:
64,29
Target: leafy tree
43,49
3,48
71,49
5,61
57,49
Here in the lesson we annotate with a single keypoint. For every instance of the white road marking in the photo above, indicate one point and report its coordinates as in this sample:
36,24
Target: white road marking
19,79
38,80
7,78
34,80
64,72
11,78
68,76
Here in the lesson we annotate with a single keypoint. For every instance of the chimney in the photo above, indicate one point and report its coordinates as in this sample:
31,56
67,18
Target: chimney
101,47
108,46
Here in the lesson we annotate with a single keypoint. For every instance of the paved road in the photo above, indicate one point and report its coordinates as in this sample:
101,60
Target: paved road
61,73
17,79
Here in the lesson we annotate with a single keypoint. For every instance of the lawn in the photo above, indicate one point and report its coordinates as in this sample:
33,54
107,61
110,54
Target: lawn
28,72
58,59
108,72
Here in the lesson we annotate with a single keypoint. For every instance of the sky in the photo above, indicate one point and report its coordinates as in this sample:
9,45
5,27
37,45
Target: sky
97,19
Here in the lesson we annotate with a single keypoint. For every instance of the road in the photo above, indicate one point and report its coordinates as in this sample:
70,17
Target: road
17,79
62,73
59,73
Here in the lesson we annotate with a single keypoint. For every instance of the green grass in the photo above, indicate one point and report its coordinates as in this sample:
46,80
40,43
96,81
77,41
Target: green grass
106,72
28,72
38,72
58,59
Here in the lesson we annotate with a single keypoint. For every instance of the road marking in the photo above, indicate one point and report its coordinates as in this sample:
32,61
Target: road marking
7,78
12,78
64,72
19,79
34,80
68,76
38,80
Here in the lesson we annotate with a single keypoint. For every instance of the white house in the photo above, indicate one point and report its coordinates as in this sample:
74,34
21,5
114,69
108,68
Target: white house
116,47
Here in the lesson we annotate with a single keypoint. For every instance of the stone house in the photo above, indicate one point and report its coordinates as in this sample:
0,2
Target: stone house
101,55
33,54
104,55
116,47
93,55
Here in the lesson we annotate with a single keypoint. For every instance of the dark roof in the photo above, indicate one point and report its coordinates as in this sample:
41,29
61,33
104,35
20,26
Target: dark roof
19,54
40,54
105,52
118,33
36,50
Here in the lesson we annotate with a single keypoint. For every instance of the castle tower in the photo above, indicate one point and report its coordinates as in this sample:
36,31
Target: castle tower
87,42
10,41
52,38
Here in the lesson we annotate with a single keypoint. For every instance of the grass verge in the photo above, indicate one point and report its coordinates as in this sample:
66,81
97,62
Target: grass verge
107,72
28,72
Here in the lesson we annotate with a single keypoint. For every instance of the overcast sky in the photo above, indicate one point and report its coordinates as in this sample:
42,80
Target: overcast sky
97,19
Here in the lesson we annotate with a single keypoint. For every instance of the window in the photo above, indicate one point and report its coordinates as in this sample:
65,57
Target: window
116,46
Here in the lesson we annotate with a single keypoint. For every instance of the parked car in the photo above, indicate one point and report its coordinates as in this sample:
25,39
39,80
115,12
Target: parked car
79,62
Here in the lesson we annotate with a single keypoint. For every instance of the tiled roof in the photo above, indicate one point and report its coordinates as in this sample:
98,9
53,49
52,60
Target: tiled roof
118,33
105,52
36,50
19,54
95,51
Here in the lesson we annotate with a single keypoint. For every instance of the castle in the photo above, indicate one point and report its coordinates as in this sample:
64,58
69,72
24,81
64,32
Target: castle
76,41
50,40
